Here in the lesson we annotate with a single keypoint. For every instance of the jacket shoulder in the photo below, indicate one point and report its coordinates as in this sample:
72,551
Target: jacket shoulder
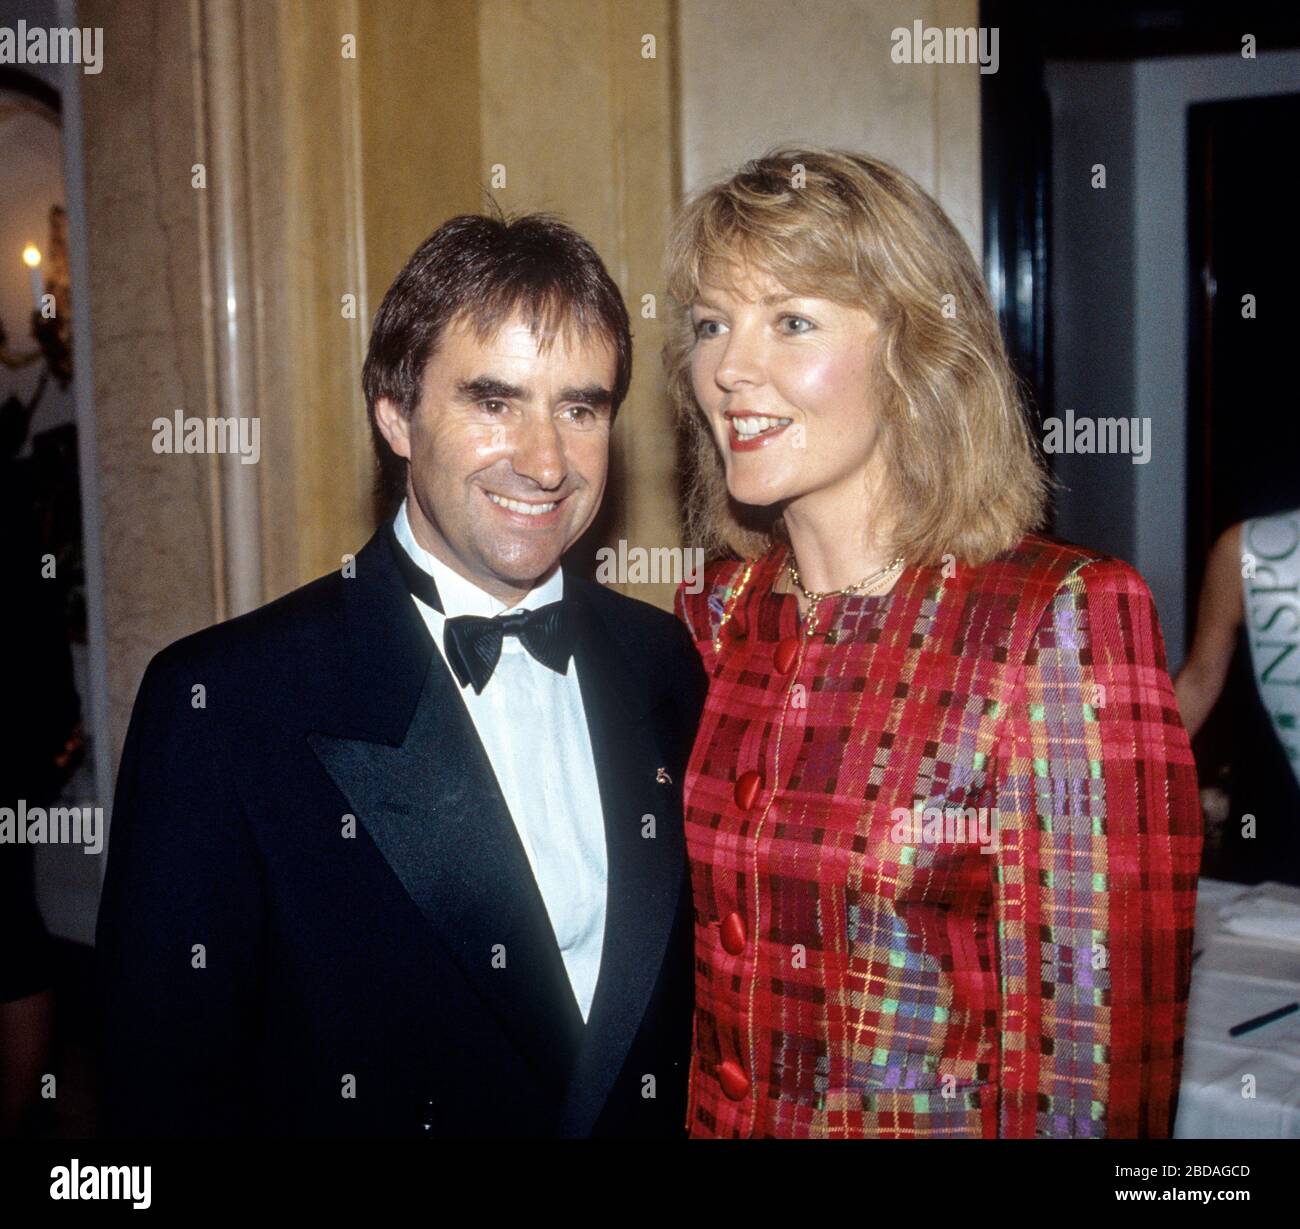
1046,567
263,642
1034,589
701,610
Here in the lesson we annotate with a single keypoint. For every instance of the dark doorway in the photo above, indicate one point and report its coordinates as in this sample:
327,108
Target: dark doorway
1243,428
1243,408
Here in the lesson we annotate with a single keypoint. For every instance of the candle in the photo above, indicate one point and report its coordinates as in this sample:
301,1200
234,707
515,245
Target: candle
32,259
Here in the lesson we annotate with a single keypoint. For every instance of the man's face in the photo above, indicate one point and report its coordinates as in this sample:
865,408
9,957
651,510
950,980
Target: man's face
508,452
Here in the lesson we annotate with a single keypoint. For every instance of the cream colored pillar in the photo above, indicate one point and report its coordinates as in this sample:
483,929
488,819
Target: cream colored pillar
224,200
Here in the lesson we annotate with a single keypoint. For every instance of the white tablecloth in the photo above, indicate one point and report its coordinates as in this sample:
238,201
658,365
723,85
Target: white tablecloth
1234,979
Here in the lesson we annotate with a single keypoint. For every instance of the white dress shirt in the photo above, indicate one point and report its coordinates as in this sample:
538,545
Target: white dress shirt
534,729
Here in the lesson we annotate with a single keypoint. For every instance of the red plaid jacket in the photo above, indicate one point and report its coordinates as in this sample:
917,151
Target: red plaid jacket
944,850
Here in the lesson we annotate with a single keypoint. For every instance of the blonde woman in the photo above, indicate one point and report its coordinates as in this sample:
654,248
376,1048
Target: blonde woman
942,813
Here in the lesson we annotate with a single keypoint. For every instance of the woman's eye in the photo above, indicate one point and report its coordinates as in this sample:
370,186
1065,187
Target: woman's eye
703,327
805,325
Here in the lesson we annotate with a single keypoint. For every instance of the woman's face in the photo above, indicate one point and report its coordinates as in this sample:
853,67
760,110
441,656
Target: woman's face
783,381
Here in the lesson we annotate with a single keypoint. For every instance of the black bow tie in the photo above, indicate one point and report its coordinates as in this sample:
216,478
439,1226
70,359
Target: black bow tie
473,643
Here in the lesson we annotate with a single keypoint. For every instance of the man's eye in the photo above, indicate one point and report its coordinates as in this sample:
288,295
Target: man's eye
581,413
493,406
806,324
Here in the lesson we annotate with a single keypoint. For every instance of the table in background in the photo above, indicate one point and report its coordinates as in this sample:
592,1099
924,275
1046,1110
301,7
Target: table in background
1233,980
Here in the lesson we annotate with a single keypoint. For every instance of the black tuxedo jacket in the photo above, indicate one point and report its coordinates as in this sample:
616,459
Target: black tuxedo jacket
318,918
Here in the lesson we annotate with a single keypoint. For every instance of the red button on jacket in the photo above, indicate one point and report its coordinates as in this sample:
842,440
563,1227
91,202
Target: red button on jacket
734,1081
785,654
748,785
733,933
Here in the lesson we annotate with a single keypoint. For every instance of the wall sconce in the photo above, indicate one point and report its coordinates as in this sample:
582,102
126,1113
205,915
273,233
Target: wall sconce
49,323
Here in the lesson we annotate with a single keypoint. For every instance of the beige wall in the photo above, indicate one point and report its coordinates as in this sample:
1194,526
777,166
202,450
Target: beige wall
579,117
755,73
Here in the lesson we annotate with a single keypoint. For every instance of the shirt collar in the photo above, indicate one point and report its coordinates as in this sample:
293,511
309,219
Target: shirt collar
462,597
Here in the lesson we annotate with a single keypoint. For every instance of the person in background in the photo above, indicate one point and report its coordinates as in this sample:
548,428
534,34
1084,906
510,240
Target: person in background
1248,616
43,702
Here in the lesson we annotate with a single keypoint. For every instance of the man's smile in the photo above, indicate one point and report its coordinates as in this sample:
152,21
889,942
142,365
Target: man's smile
530,513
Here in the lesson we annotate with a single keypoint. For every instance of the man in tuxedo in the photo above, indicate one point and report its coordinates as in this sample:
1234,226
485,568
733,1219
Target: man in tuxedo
401,853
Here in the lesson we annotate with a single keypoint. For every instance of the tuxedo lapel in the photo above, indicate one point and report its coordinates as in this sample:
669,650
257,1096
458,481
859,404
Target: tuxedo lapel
402,749
430,801
644,849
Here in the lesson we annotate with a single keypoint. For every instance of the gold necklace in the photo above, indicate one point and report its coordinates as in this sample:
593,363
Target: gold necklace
861,586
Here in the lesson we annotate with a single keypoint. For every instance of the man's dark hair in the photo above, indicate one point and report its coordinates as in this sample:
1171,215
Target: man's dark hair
481,270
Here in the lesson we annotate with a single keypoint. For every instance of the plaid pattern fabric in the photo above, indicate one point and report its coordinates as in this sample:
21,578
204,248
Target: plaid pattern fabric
867,962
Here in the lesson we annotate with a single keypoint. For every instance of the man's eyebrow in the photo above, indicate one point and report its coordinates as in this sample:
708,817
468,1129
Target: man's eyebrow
483,388
593,394
490,388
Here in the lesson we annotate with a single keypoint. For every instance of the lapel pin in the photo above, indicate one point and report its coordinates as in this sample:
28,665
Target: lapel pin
661,775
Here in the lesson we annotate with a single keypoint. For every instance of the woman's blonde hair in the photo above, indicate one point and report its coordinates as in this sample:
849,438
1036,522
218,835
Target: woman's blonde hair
966,473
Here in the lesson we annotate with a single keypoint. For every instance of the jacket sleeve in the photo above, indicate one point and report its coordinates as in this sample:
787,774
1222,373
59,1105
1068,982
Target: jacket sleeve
1099,833
179,957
